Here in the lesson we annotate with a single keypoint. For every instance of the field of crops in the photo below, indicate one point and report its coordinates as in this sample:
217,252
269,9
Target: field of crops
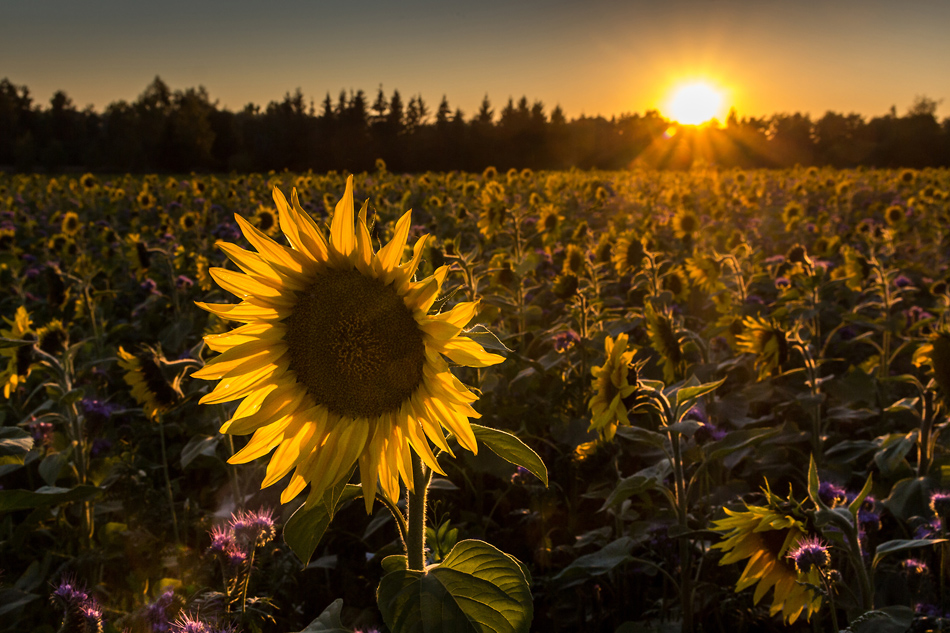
736,380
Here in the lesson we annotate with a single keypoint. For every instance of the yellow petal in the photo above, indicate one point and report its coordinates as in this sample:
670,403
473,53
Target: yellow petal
310,234
390,255
464,351
280,257
262,271
342,237
236,387
244,312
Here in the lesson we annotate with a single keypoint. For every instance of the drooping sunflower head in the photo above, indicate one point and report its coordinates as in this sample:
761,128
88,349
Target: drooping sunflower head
338,360
19,357
767,341
52,338
766,535
666,341
150,388
629,253
611,386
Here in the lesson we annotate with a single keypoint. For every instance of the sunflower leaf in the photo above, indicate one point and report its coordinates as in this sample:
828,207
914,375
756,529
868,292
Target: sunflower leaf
14,441
900,545
476,589
512,450
45,496
329,621
307,525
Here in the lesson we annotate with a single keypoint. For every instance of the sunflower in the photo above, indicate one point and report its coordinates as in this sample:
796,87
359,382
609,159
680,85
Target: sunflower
188,221
765,535
52,338
663,337
339,360
265,221
611,386
149,387
70,225
767,341
19,357
629,253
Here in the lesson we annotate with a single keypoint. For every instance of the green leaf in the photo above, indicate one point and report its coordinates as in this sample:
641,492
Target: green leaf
692,393
612,555
909,497
893,619
645,436
476,589
11,500
12,600
199,445
814,484
487,339
899,545
51,467
641,481
308,523
855,504
735,441
512,450
329,621
14,441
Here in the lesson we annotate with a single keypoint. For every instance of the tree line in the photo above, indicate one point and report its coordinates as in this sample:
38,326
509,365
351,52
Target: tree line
179,131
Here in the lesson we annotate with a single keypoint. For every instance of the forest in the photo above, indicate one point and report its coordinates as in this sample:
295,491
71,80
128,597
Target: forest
180,131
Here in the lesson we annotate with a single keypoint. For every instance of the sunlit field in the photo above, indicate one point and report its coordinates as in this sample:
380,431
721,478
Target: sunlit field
729,388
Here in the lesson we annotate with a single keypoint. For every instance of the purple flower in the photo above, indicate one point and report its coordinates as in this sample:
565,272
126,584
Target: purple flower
100,446
564,341
782,283
253,529
902,281
914,567
42,432
832,495
156,614
928,529
149,286
222,540
940,504
810,552
183,282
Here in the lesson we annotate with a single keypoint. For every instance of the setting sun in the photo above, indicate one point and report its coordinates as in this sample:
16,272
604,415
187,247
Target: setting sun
695,103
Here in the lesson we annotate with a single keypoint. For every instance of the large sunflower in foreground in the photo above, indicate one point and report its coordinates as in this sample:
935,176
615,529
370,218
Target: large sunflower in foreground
765,535
339,360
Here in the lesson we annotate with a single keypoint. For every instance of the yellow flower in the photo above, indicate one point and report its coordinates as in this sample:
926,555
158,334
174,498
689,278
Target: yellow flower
611,387
149,387
767,341
339,360
765,535
19,356
70,225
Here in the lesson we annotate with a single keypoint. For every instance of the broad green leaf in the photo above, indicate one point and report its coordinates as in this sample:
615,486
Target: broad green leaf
899,545
893,619
613,554
512,450
199,445
641,481
328,621
487,339
476,589
909,497
51,467
12,600
307,525
692,393
736,440
14,441
11,500
636,434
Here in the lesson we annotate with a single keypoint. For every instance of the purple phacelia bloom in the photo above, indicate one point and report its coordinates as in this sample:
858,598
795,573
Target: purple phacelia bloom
903,281
183,282
928,529
564,341
156,614
914,567
810,552
100,446
940,504
149,286
782,283
222,540
832,495
41,432
97,408
253,529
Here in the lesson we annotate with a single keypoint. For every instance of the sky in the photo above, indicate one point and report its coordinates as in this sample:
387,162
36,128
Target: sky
599,57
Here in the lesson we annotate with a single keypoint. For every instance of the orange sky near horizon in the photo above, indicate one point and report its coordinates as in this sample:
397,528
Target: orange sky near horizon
607,57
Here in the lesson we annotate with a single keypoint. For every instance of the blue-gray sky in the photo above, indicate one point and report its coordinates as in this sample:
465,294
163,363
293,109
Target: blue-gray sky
598,57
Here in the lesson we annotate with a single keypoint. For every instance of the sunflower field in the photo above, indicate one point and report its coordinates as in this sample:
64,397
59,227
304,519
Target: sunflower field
707,400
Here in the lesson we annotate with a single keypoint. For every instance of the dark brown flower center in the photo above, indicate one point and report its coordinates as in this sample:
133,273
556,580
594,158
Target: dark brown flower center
355,345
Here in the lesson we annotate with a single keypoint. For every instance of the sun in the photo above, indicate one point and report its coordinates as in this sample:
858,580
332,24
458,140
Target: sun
695,103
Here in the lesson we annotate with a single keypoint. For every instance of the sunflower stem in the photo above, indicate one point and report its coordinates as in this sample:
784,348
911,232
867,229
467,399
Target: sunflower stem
168,481
416,539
